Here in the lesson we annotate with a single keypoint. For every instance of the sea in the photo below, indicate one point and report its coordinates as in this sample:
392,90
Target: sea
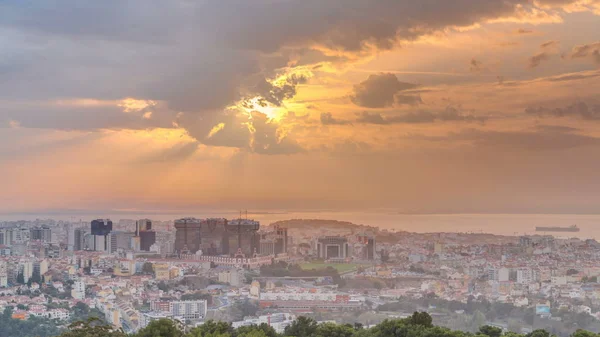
501,224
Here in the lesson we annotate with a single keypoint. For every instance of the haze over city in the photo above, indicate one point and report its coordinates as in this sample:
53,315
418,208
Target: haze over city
299,168
471,106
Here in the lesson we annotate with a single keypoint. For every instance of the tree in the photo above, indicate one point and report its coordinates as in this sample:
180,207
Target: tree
421,318
302,327
490,331
147,268
538,333
160,328
92,328
583,333
20,278
334,330
212,328
263,330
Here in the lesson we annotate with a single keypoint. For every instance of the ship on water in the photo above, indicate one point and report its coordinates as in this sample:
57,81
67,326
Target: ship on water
573,228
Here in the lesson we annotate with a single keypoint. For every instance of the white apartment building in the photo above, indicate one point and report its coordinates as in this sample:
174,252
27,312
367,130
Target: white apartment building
188,309
297,296
78,290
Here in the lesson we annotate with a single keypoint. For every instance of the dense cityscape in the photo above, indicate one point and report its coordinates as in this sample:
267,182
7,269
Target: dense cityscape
130,273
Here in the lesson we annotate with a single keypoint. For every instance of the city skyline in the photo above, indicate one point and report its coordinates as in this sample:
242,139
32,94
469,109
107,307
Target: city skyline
471,106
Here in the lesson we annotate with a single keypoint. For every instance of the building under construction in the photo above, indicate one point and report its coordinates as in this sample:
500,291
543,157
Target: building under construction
217,236
243,237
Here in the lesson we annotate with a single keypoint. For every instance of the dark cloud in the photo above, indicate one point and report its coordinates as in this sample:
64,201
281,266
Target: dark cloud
550,44
379,91
277,94
256,133
200,57
538,58
549,49
476,66
328,119
77,116
450,114
372,118
591,50
579,109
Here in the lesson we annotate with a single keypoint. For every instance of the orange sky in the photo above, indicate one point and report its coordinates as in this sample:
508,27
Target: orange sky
447,106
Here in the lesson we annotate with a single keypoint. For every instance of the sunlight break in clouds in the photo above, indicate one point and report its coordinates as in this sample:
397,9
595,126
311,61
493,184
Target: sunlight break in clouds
424,105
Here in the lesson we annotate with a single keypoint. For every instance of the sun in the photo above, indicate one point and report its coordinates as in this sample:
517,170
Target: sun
260,105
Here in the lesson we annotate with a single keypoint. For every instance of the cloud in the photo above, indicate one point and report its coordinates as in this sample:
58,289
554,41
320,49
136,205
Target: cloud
522,31
538,58
591,51
542,139
549,49
328,119
379,91
450,114
579,109
476,66
200,57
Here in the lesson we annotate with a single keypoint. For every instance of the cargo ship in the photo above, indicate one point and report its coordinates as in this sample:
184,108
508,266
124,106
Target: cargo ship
573,228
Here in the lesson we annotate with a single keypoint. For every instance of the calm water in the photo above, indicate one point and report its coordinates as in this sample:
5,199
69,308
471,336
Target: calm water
505,224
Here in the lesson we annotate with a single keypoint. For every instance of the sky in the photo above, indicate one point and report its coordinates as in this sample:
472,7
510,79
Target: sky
430,106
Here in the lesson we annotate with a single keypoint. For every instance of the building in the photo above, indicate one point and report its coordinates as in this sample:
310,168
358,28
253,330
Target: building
100,229
191,310
161,271
232,277
78,290
100,243
40,268
26,268
79,239
278,321
208,236
274,242
187,235
332,247
43,234
181,310
147,317
143,225
147,239
3,274
120,240
243,237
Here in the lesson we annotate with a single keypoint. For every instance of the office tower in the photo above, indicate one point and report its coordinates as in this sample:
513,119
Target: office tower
371,249
143,225
274,242
43,234
332,247
208,235
187,235
100,243
147,239
26,268
2,237
79,239
243,236
101,227
213,237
